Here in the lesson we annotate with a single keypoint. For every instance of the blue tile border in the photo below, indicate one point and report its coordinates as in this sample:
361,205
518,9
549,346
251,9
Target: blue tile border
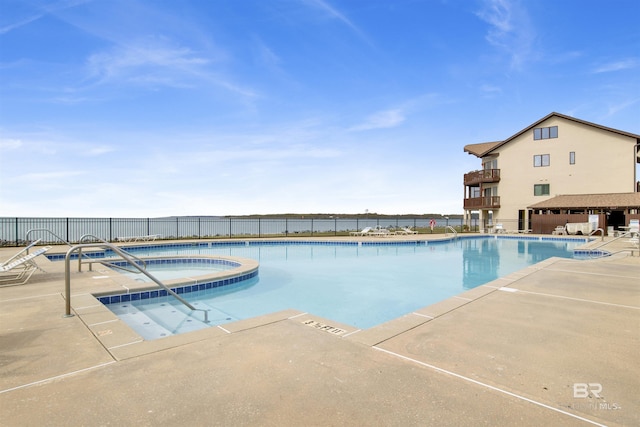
182,260
183,289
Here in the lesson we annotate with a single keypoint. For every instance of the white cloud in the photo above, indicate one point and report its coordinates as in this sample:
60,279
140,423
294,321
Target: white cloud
490,90
381,120
158,62
15,25
154,61
510,29
625,64
10,144
334,13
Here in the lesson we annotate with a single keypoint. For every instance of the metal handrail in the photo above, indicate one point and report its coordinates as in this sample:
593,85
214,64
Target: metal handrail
57,237
448,227
596,230
26,238
143,262
627,234
130,260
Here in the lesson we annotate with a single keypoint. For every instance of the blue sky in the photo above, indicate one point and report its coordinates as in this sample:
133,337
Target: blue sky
139,108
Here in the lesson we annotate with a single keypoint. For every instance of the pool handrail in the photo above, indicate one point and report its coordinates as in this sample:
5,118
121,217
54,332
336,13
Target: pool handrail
127,257
448,227
104,241
80,255
620,236
26,238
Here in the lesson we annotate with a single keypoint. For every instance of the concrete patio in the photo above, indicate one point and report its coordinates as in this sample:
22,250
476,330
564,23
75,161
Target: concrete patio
553,344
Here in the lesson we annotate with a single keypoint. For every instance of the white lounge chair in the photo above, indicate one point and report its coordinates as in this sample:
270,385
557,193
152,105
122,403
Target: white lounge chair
18,269
381,232
499,228
362,232
634,226
406,230
560,230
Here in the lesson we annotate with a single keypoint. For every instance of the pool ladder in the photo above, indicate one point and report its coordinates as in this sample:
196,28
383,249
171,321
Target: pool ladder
446,231
127,257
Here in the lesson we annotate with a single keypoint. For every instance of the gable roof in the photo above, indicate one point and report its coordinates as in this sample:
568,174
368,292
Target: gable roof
484,148
585,201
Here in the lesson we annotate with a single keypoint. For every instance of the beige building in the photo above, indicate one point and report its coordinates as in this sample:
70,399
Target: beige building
557,155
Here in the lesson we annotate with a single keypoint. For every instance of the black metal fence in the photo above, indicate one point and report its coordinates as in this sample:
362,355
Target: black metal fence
13,231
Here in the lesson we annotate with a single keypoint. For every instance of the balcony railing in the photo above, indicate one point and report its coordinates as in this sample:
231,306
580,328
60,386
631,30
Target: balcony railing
492,202
482,176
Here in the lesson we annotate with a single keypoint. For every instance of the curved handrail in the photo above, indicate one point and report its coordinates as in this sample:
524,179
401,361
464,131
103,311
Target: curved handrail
56,236
143,262
48,231
130,260
596,230
448,227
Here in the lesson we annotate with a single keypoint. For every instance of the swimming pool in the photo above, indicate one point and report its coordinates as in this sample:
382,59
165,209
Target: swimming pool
360,284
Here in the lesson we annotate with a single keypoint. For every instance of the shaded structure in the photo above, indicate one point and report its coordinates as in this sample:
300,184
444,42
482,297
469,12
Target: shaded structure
613,210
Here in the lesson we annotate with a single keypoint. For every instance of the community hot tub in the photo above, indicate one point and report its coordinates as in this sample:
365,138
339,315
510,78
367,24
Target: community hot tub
192,275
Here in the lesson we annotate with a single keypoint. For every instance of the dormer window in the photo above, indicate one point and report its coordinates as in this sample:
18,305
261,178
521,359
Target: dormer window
545,133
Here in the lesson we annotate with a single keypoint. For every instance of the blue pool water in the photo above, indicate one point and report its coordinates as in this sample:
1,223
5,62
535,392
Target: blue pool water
176,269
359,285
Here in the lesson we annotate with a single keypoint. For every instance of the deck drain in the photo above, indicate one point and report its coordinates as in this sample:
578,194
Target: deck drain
324,327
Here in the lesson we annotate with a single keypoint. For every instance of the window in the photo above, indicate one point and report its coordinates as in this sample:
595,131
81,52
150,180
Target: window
541,190
540,160
545,133
572,158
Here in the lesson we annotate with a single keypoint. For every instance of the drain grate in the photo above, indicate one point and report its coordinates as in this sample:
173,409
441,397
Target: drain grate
324,327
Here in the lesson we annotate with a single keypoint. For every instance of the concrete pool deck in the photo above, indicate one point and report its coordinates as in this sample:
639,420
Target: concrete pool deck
553,344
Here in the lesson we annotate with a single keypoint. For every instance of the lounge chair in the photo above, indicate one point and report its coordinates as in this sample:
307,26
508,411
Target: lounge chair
18,269
500,229
560,230
406,230
381,232
634,226
362,232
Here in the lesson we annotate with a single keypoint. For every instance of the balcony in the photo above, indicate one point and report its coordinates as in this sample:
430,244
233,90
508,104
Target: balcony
474,203
482,176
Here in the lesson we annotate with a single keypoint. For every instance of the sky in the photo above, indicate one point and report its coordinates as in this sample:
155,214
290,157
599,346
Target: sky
141,108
